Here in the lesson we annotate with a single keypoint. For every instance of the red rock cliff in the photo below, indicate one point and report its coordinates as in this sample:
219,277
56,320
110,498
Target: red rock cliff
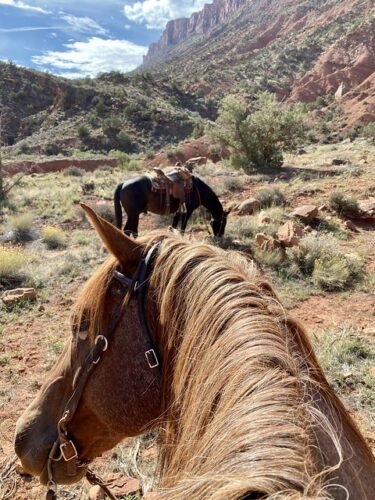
199,23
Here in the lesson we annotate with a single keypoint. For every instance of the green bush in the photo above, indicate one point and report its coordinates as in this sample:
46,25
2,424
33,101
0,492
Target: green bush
257,135
73,171
369,132
343,205
270,197
83,132
53,237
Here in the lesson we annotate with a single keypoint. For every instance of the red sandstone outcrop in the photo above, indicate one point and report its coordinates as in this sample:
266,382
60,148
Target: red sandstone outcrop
199,23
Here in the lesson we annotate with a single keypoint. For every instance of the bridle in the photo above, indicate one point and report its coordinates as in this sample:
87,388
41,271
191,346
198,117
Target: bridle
126,288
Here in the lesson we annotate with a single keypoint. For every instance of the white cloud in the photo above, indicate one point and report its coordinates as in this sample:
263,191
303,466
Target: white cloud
21,5
84,24
156,13
93,56
29,28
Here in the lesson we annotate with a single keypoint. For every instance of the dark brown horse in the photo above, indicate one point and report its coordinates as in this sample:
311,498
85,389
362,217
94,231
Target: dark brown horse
190,339
136,196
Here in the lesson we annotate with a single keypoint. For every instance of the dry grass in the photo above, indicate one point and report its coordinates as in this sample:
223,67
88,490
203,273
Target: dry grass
53,237
13,266
347,357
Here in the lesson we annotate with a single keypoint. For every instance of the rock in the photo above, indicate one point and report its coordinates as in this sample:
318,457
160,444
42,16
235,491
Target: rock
265,219
12,296
307,229
247,207
265,242
306,213
323,208
119,485
337,161
193,162
290,234
151,495
367,208
348,224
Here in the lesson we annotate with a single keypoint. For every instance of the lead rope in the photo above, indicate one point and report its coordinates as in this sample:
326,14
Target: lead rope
96,480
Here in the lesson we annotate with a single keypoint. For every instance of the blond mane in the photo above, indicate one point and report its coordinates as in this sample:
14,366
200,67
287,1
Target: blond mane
241,374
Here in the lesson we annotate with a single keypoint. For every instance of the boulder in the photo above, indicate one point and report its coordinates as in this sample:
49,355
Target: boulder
306,213
119,485
193,162
290,234
12,296
266,242
367,208
247,207
348,224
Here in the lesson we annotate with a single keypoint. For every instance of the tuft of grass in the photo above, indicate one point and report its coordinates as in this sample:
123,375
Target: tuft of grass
274,259
22,226
347,357
343,205
332,273
74,171
13,263
270,197
53,237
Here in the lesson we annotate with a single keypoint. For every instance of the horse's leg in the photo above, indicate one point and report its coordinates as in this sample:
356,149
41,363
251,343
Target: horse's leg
131,226
185,219
176,219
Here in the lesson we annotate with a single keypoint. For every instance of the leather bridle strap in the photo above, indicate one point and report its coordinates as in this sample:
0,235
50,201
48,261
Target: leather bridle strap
66,446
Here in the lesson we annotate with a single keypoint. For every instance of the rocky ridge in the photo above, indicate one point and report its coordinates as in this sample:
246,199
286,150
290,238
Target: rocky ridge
199,23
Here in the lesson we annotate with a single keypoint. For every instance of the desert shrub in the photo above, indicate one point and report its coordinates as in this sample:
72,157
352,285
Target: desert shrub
133,165
123,160
270,197
13,262
330,269
105,211
270,258
257,135
83,132
343,205
53,237
369,132
310,249
124,141
331,273
73,171
22,226
112,127
233,183
198,130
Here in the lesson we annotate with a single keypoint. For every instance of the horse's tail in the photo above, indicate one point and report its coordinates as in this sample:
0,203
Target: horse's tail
118,209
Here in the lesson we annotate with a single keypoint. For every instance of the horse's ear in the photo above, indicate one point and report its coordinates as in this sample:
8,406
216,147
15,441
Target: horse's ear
121,246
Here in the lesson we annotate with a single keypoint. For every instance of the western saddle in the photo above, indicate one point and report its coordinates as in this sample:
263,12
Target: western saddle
174,181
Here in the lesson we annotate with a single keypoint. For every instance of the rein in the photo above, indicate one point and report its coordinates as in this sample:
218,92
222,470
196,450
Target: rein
64,446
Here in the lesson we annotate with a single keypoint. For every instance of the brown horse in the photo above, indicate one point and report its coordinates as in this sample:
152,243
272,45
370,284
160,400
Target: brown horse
207,354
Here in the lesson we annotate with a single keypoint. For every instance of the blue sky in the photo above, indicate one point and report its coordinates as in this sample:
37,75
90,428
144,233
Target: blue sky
76,38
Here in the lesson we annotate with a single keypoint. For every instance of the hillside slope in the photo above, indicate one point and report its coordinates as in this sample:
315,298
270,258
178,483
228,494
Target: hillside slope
46,114
299,49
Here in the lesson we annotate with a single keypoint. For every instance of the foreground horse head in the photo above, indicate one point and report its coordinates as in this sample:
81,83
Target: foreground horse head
207,353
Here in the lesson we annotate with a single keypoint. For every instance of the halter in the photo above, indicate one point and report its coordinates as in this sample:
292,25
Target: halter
126,288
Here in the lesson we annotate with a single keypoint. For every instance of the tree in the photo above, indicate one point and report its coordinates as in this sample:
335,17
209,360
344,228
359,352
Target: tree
258,135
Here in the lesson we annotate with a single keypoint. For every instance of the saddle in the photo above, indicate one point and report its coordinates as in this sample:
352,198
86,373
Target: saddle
173,181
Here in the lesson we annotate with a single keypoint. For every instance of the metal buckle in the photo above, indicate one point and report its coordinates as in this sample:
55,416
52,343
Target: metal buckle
68,451
152,359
